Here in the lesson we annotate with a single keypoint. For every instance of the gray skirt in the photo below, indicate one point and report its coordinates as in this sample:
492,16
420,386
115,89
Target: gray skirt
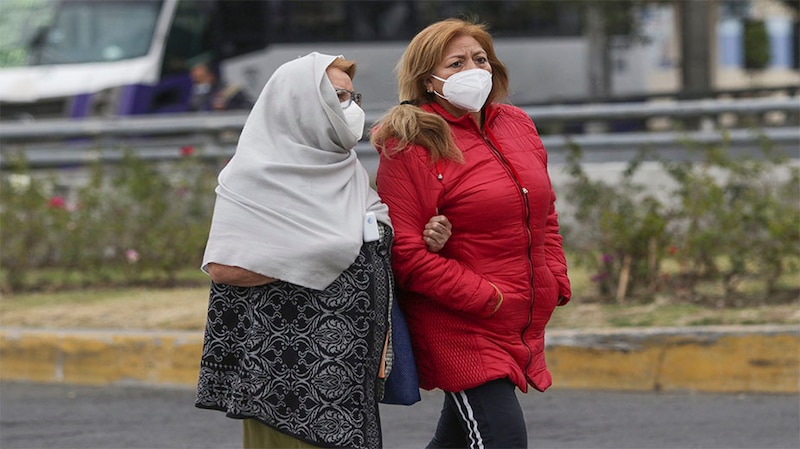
304,362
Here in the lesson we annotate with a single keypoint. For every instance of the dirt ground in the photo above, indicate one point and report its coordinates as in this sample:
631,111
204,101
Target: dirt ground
185,309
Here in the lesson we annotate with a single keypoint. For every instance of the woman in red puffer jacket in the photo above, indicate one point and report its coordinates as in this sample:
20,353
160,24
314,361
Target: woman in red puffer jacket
477,309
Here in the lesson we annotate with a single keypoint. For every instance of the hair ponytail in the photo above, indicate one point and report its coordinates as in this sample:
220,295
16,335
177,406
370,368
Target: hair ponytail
405,125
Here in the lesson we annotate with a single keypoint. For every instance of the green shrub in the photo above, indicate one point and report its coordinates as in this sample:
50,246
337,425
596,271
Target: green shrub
726,234
131,223
756,45
736,222
620,231
27,213
729,231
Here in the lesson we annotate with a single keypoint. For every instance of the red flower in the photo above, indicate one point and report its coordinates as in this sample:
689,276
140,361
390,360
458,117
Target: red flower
187,150
57,202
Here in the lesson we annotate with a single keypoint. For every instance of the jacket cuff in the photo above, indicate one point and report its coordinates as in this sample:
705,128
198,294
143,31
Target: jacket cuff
498,300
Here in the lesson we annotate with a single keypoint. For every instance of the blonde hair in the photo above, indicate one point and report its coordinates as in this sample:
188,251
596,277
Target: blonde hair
407,124
345,65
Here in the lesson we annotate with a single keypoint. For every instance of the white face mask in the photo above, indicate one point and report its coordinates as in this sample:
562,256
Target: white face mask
355,118
467,89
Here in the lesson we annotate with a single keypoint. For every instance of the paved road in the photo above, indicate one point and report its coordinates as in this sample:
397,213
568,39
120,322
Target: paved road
64,416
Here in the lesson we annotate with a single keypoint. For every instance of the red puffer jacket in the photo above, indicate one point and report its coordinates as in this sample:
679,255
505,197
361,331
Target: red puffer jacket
505,234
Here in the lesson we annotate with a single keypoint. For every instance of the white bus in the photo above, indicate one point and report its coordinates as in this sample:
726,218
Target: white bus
122,57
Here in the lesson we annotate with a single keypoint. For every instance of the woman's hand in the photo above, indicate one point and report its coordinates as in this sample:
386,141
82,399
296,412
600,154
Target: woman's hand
236,276
436,233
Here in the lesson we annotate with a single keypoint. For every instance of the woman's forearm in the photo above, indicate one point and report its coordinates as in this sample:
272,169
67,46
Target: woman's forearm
237,276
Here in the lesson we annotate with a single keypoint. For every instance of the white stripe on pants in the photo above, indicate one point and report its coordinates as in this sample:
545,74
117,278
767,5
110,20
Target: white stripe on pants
473,433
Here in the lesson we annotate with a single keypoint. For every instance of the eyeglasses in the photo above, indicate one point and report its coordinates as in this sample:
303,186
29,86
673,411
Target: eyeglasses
347,97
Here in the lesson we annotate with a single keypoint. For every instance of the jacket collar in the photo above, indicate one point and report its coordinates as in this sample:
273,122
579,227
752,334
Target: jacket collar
491,111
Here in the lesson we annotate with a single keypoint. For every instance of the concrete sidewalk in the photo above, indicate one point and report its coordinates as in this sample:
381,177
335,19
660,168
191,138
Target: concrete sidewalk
763,359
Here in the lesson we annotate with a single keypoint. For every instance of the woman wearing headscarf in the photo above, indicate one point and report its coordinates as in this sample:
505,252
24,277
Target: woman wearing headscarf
298,254
477,309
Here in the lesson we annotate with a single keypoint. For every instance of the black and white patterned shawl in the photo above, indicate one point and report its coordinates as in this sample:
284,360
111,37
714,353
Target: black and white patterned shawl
302,361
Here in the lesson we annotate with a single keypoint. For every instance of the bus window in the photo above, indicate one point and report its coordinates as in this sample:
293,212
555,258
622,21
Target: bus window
239,27
20,25
91,31
381,20
508,18
313,21
188,37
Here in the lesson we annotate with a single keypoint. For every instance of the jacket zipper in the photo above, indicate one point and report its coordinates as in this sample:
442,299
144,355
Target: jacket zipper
526,206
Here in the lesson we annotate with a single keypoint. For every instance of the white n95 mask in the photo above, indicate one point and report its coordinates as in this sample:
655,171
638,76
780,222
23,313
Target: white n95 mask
355,118
467,89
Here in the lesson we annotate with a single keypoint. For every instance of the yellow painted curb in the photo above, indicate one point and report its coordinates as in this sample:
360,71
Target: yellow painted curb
100,357
714,359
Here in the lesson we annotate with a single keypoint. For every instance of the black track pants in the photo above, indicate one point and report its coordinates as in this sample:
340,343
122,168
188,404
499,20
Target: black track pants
488,416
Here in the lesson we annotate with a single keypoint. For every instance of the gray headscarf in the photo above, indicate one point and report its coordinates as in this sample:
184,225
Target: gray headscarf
291,202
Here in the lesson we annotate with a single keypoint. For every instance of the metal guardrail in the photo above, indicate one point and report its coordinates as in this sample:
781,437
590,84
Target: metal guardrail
76,142
222,121
693,108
